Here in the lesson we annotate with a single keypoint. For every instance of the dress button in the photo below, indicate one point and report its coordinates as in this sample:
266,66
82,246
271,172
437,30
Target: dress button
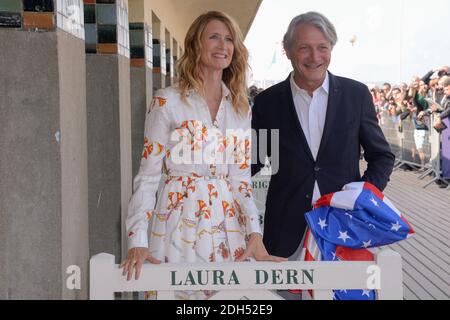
316,169
307,196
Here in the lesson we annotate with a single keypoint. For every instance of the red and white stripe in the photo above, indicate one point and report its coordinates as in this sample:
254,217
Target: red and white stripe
345,199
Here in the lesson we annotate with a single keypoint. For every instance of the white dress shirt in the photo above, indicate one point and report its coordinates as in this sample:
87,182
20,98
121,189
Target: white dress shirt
311,112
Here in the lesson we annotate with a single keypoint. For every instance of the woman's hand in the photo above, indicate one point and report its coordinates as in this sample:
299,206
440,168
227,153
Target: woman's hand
256,249
135,260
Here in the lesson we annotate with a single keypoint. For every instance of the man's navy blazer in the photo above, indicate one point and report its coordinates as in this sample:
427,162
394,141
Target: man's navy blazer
350,123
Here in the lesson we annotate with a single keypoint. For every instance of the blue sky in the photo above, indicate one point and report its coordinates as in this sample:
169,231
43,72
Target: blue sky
395,39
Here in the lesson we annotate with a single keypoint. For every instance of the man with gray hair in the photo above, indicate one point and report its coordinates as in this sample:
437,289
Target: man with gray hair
323,121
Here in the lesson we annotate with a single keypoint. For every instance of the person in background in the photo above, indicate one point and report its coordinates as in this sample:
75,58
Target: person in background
387,90
444,111
417,93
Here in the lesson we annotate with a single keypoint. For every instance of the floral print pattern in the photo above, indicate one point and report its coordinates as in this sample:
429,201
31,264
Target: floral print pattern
203,211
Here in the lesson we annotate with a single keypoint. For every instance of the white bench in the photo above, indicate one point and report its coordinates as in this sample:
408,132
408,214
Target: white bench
252,280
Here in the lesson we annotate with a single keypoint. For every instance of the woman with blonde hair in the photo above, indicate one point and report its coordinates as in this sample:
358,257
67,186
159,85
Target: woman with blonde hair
199,131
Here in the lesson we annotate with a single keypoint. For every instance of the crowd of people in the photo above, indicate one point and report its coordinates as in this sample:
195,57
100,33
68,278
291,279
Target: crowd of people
416,102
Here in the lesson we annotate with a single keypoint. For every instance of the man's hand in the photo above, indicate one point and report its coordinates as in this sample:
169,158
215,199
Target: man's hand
434,107
420,115
438,123
257,250
444,69
135,260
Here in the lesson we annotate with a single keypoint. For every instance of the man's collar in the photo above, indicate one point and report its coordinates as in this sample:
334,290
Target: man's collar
296,89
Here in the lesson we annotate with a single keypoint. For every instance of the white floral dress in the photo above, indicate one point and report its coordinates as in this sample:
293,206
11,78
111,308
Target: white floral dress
205,209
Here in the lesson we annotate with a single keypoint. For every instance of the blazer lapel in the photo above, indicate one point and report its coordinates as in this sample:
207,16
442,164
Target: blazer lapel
332,115
292,117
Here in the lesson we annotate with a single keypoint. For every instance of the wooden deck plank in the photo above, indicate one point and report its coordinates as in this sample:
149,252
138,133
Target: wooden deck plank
415,287
433,275
419,280
440,258
408,294
417,205
412,208
405,179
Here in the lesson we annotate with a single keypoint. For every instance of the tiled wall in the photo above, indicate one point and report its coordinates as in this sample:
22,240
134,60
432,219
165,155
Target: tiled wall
27,14
102,24
169,63
70,17
159,59
141,45
123,28
148,46
106,26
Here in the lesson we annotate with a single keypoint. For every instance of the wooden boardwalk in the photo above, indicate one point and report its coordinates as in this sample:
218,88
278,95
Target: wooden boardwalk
426,255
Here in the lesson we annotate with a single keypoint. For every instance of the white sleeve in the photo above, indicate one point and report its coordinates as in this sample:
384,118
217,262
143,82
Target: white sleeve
146,182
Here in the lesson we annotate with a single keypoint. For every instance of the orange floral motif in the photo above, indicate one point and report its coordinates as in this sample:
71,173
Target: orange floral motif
149,147
204,132
228,209
246,163
159,148
245,189
230,188
181,132
196,132
212,192
173,179
149,215
174,200
212,257
238,253
223,251
222,143
189,184
235,141
161,101
241,216
195,175
203,210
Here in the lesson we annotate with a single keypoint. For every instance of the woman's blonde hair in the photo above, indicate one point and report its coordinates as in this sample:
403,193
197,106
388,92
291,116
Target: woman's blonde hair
234,76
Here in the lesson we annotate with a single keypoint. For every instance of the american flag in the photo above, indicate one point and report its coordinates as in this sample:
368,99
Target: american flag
351,225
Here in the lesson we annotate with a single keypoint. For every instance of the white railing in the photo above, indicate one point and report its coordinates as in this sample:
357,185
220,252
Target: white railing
252,280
